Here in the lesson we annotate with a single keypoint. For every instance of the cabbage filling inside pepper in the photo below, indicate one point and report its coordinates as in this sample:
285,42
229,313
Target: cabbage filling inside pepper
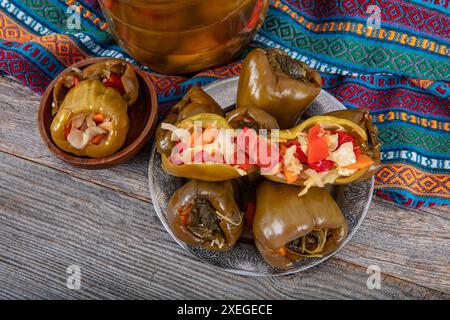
87,128
321,155
310,245
239,148
335,148
321,150
195,101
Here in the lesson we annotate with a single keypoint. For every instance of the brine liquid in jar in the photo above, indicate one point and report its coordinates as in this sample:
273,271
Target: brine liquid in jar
183,36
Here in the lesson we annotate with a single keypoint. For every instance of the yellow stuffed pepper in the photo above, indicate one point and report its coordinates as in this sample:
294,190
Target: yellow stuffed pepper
92,121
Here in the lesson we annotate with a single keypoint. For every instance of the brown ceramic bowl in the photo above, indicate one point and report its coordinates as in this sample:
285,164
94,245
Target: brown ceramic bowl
142,115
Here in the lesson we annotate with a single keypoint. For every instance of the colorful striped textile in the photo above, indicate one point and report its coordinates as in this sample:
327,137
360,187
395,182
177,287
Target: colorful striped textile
400,71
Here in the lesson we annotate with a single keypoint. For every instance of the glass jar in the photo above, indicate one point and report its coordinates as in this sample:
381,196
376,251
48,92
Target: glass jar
183,36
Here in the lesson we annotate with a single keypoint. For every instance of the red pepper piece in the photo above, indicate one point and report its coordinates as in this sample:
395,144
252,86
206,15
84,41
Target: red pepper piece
245,141
75,82
67,129
245,164
272,155
299,154
323,165
318,145
114,82
344,137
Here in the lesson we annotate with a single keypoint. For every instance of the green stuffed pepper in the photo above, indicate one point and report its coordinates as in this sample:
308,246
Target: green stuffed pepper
288,228
206,214
280,85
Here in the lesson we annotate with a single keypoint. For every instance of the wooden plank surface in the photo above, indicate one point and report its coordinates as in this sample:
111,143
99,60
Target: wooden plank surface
53,215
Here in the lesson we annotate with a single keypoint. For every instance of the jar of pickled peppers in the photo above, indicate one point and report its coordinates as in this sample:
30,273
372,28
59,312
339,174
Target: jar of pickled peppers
184,36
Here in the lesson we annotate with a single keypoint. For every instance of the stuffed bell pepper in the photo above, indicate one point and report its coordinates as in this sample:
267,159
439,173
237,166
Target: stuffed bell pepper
282,86
336,148
116,74
62,87
288,228
206,214
194,101
92,121
206,147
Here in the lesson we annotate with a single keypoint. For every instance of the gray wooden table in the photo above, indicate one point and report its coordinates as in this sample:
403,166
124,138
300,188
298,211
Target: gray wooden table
53,216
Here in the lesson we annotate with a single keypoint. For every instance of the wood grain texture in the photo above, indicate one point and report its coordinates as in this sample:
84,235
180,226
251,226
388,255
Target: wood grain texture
124,251
410,244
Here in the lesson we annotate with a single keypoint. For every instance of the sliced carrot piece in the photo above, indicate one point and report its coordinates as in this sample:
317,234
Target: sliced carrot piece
98,117
202,138
185,210
184,213
67,129
209,135
362,161
290,176
97,139
194,138
282,251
